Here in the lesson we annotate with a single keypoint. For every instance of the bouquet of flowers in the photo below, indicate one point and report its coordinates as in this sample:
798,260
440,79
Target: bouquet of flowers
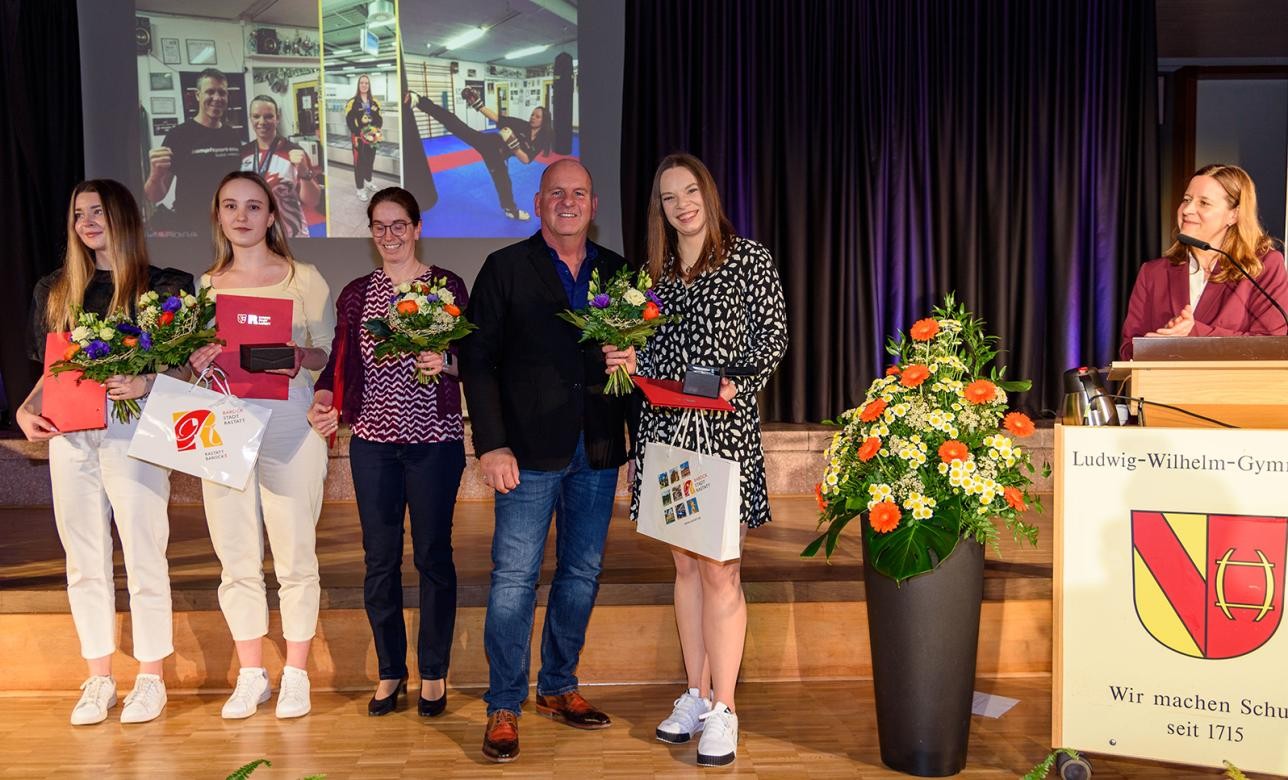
175,326
105,347
625,313
929,456
422,317
372,135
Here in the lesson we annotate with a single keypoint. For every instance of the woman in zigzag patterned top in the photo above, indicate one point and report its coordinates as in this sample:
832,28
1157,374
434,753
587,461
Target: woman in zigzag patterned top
407,452
725,288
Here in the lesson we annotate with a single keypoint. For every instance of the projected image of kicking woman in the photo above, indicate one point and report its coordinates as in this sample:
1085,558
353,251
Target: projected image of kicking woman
523,140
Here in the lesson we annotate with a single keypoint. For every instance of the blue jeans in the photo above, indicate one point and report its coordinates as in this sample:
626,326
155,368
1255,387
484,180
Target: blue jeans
582,498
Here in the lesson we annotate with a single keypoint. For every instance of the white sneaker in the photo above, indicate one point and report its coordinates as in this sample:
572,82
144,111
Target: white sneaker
293,696
685,720
719,743
99,696
372,188
363,195
252,690
146,701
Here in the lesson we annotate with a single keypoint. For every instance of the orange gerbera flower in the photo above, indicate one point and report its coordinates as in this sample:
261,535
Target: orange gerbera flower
892,370
869,449
1018,423
1015,498
452,309
924,330
71,351
914,375
884,517
952,450
818,496
981,391
873,410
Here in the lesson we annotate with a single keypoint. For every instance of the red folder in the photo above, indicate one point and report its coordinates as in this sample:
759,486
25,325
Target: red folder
67,401
668,392
245,319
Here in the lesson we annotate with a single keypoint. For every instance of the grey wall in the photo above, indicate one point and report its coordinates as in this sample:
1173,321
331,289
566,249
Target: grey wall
110,94
1246,122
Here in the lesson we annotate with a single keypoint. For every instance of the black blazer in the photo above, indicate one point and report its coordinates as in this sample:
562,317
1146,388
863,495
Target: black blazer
531,386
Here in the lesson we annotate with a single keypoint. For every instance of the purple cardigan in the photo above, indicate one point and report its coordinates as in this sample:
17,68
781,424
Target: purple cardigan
1227,309
348,327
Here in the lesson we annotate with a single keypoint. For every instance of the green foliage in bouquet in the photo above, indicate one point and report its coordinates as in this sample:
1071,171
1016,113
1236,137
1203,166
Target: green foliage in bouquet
422,317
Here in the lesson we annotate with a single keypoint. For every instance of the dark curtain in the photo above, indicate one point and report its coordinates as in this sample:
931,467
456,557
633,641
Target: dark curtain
890,151
41,158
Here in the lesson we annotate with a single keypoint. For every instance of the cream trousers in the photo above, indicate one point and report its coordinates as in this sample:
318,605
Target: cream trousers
283,497
94,484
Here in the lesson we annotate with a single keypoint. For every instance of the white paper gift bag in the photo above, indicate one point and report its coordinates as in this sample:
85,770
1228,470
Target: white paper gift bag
200,431
691,499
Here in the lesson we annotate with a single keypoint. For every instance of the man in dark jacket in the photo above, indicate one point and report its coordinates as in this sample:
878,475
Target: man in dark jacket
548,440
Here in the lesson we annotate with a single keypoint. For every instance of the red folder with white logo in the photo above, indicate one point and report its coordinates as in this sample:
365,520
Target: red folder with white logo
67,401
669,392
246,319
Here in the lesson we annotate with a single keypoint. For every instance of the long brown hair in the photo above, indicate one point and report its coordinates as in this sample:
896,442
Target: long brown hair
126,251
1245,240
275,237
662,252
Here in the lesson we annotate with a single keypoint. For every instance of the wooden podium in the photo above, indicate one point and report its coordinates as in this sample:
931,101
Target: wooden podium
1240,380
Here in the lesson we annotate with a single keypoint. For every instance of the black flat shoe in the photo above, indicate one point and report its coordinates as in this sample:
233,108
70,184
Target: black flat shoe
432,708
377,707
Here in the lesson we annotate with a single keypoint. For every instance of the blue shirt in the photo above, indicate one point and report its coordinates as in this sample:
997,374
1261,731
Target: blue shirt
576,289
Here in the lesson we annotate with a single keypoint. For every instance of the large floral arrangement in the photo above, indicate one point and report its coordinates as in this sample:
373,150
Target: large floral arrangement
422,317
929,456
175,326
626,312
103,347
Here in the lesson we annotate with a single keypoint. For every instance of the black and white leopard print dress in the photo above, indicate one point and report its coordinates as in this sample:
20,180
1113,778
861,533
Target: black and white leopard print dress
732,316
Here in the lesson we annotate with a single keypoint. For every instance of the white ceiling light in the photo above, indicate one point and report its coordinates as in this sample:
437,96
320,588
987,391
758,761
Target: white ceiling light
528,52
464,39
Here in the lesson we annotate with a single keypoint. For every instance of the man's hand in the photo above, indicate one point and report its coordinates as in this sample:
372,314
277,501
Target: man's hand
500,469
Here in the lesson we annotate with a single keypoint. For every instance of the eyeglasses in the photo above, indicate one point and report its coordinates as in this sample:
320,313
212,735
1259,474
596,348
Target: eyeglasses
398,228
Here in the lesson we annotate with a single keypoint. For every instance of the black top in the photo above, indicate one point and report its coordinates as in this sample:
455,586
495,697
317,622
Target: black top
98,296
531,386
523,131
201,157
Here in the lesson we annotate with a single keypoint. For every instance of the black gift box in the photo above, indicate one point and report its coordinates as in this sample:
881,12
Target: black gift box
266,357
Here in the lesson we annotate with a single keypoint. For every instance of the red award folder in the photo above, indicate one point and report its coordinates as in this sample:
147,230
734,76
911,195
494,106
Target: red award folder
245,319
668,392
67,401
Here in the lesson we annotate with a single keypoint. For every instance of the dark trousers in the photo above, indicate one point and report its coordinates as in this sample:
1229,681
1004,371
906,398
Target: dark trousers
489,146
388,480
364,162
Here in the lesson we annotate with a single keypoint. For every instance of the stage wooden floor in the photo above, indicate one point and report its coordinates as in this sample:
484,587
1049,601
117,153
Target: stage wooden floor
788,730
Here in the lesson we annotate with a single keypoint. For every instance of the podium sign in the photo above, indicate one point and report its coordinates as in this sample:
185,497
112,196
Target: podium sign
1171,551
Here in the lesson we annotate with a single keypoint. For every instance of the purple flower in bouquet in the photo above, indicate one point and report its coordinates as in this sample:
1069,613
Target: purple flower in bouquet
652,296
145,341
601,301
172,304
432,298
394,298
97,349
129,329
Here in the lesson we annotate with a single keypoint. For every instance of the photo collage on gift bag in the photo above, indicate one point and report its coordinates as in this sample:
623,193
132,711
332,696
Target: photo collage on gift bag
679,498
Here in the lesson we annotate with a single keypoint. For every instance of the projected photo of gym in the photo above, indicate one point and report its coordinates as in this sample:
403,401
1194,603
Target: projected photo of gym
491,87
223,88
360,74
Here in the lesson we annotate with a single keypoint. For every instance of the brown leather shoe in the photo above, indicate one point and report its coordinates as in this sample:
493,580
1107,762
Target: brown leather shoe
572,709
501,740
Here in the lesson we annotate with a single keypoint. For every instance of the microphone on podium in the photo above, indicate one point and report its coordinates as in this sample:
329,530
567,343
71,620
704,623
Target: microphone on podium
1196,243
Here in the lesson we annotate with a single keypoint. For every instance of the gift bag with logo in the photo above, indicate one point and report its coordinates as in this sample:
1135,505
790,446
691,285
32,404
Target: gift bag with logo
689,498
208,433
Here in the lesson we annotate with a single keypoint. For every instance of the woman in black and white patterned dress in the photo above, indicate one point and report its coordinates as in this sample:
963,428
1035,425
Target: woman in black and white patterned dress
726,289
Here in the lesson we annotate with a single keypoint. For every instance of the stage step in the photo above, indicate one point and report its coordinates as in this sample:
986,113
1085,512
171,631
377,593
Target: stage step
793,464
807,618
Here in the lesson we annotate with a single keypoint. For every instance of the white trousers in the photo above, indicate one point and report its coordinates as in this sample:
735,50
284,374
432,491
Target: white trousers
283,497
94,483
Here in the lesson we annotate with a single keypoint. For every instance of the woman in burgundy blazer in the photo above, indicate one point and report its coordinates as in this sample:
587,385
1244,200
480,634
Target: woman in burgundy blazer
1191,292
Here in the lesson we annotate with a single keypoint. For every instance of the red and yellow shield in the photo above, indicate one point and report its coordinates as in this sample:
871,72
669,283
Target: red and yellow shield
1208,585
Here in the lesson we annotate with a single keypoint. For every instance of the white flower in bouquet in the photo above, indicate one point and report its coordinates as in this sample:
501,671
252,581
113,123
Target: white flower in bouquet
634,297
80,333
